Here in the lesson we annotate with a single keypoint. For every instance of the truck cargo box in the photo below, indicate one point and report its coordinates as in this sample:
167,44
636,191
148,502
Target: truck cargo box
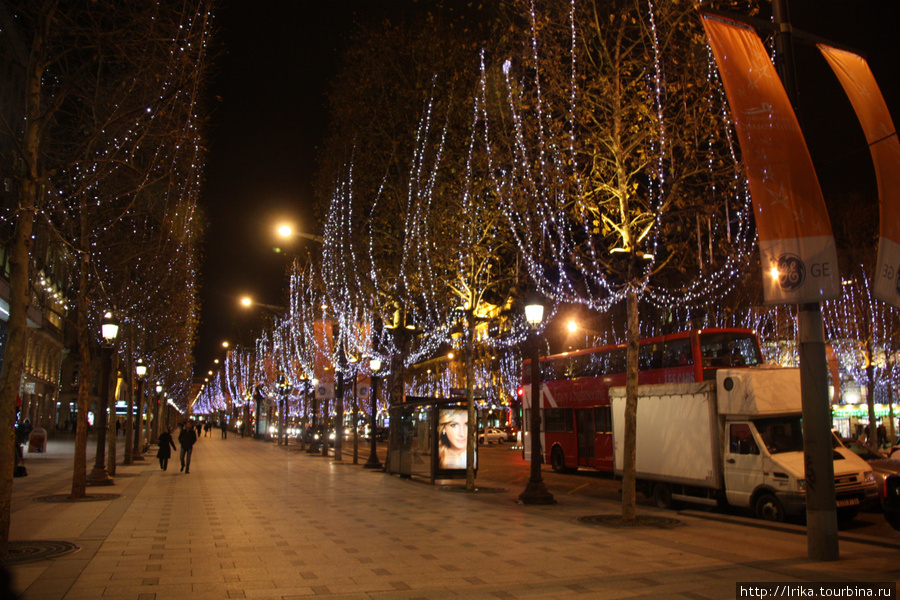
768,390
677,433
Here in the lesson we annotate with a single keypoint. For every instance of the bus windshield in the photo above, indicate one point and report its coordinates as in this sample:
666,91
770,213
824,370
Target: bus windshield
729,349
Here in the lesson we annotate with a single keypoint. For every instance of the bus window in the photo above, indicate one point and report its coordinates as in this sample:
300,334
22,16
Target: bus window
602,419
729,349
558,420
650,357
677,353
575,367
614,361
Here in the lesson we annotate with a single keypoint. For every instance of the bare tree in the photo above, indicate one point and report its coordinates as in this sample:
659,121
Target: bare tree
106,90
619,149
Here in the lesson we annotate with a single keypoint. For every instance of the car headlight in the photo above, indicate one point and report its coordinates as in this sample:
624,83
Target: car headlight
869,476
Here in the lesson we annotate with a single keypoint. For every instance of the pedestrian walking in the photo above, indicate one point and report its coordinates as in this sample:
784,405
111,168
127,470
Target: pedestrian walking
187,438
165,440
224,427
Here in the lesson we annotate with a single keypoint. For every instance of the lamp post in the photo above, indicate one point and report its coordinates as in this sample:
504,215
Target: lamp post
161,420
109,329
535,491
141,369
339,401
284,388
355,421
313,424
339,413
373,462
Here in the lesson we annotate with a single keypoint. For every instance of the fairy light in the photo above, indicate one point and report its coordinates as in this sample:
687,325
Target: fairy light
860,329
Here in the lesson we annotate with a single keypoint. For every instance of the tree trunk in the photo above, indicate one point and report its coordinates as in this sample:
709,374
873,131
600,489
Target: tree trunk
79,468
872,442
111,418
472,429
20,280
14,358
629,480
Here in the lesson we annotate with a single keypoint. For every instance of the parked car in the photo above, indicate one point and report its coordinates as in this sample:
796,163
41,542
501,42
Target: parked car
491,435
381,433
891,493
881,464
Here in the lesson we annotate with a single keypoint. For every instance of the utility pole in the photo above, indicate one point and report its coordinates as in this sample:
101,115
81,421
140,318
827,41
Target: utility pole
821,511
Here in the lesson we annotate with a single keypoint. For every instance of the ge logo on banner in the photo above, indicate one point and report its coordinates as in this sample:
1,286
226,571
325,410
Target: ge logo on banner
791,272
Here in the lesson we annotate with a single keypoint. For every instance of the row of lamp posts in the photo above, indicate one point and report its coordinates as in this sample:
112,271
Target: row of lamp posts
535,492
99,475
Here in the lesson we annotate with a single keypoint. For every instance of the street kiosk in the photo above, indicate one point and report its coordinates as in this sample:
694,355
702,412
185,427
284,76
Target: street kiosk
428,438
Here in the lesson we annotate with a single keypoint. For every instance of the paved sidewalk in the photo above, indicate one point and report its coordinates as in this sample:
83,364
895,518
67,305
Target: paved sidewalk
254,520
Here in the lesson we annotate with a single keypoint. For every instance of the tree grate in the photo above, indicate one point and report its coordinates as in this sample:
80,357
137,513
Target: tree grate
641,521
86,498
477,490
22,552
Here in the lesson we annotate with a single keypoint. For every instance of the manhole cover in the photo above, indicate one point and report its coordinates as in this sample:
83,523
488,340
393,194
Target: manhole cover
641,521
86,498
477,490
20,552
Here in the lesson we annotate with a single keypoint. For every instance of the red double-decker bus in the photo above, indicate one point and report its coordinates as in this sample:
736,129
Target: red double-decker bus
576,422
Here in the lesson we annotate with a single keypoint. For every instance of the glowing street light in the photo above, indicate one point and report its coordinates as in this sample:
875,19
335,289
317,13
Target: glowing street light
374,368
535,491
248,302
286,231
109,329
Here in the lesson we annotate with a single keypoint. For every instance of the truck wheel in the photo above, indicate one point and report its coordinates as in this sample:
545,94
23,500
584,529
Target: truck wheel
558,460
662,496
769,508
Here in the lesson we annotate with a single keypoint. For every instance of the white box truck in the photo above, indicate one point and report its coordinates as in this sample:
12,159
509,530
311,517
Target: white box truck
737,440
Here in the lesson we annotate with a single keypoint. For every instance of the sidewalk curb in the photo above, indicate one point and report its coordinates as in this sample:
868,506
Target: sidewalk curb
843,536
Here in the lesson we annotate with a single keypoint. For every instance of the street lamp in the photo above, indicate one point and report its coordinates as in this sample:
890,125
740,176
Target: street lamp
373,462
141,369
313,424
109,329
535,491
286,231
248,302
284,388
162,419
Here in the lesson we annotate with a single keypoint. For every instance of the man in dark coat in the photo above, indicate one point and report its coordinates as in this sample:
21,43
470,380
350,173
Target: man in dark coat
186,440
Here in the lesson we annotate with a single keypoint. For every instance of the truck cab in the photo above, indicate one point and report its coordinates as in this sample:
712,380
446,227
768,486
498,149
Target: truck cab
764,471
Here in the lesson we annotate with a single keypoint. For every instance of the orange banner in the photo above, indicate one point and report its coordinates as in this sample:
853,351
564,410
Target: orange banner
859,83
797,252
323,332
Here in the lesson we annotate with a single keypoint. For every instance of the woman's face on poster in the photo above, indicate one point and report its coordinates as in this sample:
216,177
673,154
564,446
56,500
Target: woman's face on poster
457,430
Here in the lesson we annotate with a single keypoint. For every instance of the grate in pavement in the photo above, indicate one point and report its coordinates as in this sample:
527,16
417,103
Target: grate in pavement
68,498
21,552
641,521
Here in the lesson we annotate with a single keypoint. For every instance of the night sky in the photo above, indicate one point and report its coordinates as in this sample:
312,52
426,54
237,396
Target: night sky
268,116
273,63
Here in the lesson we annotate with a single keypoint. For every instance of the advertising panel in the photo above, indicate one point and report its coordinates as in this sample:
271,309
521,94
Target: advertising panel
453,428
